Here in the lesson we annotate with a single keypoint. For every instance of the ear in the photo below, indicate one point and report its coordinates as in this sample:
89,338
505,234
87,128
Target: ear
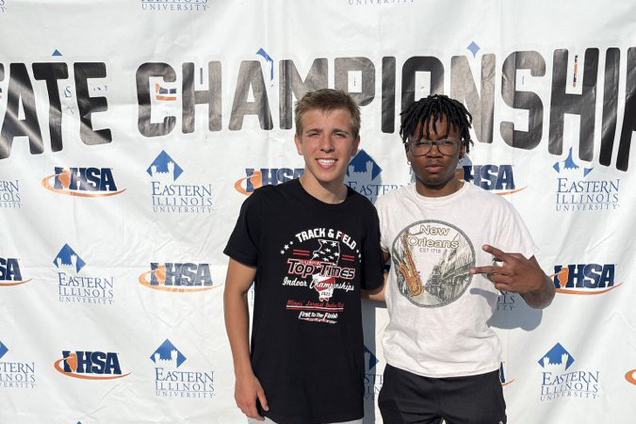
298,142
355,146
462,151
407,152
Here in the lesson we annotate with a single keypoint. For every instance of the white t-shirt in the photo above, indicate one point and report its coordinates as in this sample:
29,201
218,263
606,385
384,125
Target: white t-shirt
438,311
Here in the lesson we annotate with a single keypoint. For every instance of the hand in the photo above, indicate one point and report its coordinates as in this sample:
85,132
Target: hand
515,274
247,390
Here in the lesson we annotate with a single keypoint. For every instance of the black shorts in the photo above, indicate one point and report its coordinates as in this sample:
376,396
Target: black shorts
410,398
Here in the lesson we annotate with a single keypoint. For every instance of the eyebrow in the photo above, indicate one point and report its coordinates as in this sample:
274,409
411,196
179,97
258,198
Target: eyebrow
334,130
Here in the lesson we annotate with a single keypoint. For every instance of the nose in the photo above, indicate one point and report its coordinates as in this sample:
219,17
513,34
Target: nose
434,152
326,143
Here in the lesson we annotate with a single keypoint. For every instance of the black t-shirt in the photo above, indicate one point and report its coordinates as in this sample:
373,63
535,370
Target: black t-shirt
311,260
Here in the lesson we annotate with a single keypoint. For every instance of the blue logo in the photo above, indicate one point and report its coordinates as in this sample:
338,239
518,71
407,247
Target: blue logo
10,274
3,349
168,355
363,175
557,357
76,288
502,376
183,383
569,164
577,192
370,360
87,182
372,379
90,365
256,178
557,382
168,197
178,277
68,260
164,168
585,279
16,375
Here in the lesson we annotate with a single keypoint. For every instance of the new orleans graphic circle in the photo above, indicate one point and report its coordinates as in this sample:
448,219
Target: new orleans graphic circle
432,261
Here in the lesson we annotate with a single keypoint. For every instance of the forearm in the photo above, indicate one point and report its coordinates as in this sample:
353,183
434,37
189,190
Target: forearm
541,297
237,327
376,295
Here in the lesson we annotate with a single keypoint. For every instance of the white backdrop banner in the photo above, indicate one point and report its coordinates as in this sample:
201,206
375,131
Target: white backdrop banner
131,132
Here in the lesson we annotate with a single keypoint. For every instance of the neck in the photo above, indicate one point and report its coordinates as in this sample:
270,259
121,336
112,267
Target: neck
333,193
438,191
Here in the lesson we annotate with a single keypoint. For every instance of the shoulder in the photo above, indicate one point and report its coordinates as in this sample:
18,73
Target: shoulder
489,201
360,206
393,197
269,193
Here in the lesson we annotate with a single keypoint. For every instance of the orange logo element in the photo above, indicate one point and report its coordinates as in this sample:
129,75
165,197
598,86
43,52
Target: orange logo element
16,283
160,277
564,277
65,178
72,363
256,180
631,376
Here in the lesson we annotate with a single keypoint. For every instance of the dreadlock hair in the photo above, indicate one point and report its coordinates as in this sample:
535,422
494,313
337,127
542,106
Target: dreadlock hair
431,109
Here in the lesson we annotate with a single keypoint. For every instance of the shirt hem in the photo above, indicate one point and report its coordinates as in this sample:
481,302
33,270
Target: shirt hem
483,370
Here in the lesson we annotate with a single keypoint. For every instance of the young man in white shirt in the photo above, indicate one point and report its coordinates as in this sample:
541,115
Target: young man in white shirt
440,232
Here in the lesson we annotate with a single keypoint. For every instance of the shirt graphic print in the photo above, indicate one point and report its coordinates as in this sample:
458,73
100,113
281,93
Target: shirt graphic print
432,261
322,260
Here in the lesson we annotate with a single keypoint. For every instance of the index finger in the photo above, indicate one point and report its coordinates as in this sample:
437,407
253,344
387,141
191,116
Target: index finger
498,254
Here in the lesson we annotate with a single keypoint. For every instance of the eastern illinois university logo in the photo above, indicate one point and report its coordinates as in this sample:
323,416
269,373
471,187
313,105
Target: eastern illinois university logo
364,176
560,380
168,196
15,374
78,286
171,380
578,191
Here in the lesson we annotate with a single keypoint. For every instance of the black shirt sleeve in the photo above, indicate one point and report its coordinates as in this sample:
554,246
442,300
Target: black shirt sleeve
372,274
243,245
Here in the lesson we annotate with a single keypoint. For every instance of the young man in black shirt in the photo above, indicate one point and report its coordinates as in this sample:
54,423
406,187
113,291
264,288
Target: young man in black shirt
309,246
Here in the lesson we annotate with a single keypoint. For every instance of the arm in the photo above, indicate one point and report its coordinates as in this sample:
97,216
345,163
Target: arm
238,281
379,294
517,274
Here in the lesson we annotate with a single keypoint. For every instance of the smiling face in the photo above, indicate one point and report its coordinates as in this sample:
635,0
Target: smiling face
435,172
327,144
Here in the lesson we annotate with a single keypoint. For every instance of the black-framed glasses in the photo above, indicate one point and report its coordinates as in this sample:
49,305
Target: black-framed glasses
422,147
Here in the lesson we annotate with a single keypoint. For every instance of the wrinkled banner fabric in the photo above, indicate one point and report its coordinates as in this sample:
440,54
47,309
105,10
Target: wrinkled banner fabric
132,131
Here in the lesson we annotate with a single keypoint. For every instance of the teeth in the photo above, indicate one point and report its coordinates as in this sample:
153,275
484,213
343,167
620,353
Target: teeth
326,162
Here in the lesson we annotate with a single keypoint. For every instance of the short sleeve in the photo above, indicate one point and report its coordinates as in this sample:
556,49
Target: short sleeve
381,207
243,245
373,276
513,235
